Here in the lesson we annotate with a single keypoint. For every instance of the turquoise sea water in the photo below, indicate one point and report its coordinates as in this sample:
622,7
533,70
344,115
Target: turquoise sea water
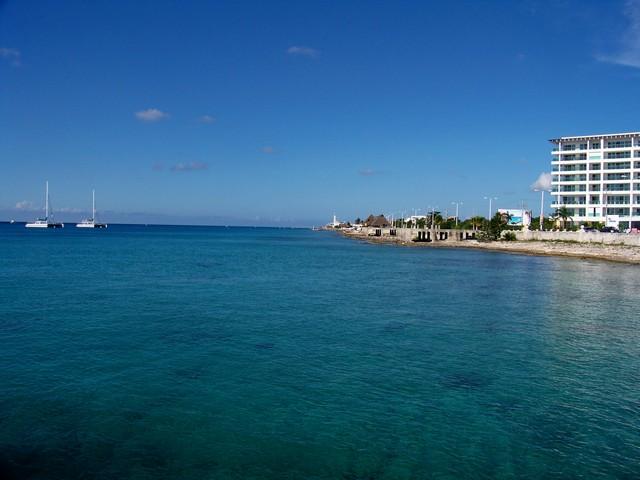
214,353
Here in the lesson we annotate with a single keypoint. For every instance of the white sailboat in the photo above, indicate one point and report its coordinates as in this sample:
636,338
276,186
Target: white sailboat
91,222
45,222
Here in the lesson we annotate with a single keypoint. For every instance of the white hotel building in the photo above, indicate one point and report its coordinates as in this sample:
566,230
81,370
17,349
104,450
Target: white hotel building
597,177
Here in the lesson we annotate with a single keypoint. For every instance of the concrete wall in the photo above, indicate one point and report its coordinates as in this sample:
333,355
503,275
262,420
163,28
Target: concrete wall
411,234
583,237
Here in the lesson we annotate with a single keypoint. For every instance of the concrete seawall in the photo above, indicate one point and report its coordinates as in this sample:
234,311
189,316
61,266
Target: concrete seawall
582,237
419,234
452,235
592,245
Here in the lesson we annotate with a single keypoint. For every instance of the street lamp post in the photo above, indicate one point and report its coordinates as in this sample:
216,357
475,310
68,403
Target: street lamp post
541,190
433,216
490,203
541,210
457,204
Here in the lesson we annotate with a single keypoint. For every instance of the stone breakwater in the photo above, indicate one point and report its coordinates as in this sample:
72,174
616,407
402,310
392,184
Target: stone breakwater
561,244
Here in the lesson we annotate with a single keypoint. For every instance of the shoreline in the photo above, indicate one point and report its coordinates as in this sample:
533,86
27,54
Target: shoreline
588,251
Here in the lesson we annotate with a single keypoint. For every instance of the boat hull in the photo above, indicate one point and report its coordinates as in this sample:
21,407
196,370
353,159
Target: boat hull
91,225
44,225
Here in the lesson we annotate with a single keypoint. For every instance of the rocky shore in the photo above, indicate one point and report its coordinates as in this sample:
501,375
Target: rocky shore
613,253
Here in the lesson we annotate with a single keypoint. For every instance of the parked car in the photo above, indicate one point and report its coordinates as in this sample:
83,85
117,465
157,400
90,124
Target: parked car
589,229
609,230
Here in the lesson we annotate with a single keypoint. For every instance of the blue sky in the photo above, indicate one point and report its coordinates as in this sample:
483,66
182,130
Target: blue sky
281,113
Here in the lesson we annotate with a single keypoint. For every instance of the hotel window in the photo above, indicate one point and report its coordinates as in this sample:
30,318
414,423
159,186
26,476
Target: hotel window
594,199
574,168
583,146
618,200
582,156
619,155
595,145
619,144
636,199
594,188
594,166
618,176
623,212
594,177
617,165
636,187
617,187
567,148
568,158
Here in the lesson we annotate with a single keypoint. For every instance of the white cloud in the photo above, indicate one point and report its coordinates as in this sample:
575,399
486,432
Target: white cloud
189,167
151,115
206,119
303,51
10,54
24,205
367,172
628,53
543,182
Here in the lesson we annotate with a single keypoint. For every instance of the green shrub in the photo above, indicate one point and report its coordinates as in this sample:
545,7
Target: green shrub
509,236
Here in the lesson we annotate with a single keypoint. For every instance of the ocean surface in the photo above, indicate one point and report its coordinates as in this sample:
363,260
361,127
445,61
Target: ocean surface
212,353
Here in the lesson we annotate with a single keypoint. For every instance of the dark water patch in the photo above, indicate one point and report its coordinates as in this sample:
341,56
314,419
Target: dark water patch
133,416
553,430
505,407
190,373
15,324
21,462
61,459
465,381
190,337
205,265
152,457
367,472
395,326
264,346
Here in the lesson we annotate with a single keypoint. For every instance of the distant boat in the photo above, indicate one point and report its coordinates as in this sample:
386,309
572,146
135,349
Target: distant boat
45,222
91,222
12,221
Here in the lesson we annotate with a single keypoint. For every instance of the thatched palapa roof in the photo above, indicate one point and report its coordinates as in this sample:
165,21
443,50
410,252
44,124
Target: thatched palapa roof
378,221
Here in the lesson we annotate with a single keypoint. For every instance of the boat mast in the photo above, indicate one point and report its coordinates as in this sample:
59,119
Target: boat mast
46,202
93,208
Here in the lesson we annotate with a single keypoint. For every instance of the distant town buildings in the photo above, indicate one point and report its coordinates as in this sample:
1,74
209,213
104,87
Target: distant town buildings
597,178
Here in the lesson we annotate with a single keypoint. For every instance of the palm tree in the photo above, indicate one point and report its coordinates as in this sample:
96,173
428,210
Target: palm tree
477,221
564,214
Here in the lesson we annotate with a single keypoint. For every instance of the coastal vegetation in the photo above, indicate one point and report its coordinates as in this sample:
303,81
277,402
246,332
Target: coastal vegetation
563,215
